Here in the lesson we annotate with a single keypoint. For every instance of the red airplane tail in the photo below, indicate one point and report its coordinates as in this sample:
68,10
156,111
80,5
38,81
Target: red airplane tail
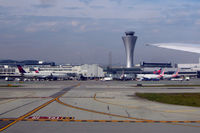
176,73
157,71
162,74
36,71
21,70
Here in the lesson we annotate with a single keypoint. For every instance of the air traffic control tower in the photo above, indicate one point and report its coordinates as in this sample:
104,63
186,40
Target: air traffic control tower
129,43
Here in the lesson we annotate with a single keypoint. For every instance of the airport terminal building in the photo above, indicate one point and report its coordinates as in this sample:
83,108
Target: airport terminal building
86,70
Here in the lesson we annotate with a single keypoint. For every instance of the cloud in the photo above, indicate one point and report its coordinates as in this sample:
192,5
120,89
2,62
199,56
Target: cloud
156,30
197,22
35,27
66,22
72,8
76,8
117,1
48,2
8,36
42,6
75,23
45,4
97,7
138,10
86,1
83,27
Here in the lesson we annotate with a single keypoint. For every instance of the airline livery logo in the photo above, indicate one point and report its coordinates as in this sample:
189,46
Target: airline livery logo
21,70
157,71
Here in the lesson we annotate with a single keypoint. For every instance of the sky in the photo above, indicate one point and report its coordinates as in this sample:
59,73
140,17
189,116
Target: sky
86,31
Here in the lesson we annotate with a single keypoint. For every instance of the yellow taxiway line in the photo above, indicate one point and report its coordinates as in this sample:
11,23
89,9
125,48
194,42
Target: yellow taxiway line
98,112
128,121
33,111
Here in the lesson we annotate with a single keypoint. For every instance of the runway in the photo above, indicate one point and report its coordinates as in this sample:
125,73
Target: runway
109,105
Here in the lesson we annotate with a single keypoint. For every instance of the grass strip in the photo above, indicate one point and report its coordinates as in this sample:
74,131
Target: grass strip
167,86
10,85
187,99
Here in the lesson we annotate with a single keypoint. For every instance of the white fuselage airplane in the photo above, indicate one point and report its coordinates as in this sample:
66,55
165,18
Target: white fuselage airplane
107,79
168,76
59,75
39,74
150,76
34,74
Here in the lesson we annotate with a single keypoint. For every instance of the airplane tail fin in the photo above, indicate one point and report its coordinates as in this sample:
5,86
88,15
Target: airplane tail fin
21,70
177,72
157,71
163,72
36,71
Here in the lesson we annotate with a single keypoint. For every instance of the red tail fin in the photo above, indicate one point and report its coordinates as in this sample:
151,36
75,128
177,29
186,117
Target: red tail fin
36,71
159,71
177,72
21,70
163,72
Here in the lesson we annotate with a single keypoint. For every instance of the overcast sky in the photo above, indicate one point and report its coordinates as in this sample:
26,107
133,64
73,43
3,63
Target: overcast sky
85,31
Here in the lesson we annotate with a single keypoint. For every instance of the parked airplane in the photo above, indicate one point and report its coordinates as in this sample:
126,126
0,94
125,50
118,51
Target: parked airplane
34,74
9,79
168,76
107,79
60,75
42,75
150,76
54,74
139,76
124,76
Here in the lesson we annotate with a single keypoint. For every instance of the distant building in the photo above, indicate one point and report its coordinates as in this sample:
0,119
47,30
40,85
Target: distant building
86,70
189,66
7,70
119,72
26,62
122,70
90,71
162,65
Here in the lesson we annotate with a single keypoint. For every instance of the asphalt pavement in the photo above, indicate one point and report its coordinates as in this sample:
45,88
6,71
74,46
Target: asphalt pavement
94,106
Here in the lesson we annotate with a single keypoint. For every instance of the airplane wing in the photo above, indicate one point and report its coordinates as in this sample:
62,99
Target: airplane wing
194,48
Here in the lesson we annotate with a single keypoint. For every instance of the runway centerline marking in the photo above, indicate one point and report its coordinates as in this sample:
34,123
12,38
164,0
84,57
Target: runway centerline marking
56,95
